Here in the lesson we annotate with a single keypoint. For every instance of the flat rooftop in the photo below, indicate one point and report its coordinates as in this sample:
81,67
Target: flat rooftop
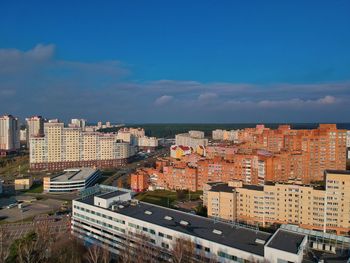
229,234
286,241
222,188
111,194
77,174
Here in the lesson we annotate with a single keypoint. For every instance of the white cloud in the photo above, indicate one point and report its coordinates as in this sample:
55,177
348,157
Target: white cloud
207,96
163,100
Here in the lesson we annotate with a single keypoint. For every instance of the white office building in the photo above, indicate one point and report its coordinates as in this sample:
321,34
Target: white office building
71,180
106,215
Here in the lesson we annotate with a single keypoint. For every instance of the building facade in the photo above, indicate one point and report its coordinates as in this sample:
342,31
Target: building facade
71,180
110,217
69,147
9,134
313,207
35,127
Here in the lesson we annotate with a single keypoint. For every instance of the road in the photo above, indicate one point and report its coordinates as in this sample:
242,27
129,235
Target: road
124,172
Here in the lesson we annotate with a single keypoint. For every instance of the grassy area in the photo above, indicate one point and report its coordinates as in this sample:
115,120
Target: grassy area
36,189
10,166
166,198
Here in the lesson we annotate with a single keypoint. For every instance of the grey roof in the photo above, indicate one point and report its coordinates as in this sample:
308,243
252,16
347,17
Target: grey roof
337,171
111,194
253,187
77,174
232,236
286,241
222,188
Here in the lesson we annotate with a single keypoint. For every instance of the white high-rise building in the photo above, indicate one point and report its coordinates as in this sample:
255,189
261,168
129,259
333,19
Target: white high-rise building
9,133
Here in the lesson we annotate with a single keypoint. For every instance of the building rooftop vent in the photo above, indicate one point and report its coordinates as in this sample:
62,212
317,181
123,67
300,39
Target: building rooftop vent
134,202
218,232
184,223
260,241
168,218
147,212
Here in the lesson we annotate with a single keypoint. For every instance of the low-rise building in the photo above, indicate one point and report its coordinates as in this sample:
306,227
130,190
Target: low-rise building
109,217
23,183
71,180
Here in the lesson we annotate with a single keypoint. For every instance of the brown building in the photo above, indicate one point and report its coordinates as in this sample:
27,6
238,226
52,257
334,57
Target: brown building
139,180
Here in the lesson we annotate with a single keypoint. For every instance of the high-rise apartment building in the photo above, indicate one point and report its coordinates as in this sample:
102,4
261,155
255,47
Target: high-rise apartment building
324,208
81,123
35,127
9,134
69,147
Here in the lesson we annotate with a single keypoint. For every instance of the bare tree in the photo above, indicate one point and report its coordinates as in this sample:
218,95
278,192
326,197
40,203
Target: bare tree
138,248
4,250
98,254
183,251
67,248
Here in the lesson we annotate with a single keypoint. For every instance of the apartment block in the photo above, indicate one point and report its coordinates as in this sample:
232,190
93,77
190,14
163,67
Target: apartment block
179,177
9,134
309,206
139,180
69,147
191,139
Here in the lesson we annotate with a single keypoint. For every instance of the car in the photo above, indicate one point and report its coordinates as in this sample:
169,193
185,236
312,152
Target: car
11,205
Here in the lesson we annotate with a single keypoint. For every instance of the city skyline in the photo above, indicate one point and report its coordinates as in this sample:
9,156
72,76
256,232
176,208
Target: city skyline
147,63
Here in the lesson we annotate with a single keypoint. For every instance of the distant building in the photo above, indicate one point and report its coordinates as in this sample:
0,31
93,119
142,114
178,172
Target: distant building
71,180
191,139
23,183
35,128
81,123
178,151
147,143
9,134
23,136
224,135
139,181
69,147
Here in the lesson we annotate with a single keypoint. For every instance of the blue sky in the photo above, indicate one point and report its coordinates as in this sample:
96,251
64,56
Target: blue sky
153,61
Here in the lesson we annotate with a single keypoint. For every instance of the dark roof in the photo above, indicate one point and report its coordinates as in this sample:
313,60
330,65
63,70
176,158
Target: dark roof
253,187
232,236
286,241
337,171
111,194
222,188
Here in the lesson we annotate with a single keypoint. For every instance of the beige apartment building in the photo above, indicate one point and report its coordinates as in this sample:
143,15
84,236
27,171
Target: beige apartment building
68,147
35,127
9,134
325,208
191,139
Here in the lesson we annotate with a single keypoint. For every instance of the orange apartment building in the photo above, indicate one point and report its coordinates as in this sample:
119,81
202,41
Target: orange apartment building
277,155
139,180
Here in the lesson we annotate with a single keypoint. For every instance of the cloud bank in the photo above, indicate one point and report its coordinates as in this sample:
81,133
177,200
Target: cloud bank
36,82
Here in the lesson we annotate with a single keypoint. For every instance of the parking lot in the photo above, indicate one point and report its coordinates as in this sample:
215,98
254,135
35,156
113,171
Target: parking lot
30,209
